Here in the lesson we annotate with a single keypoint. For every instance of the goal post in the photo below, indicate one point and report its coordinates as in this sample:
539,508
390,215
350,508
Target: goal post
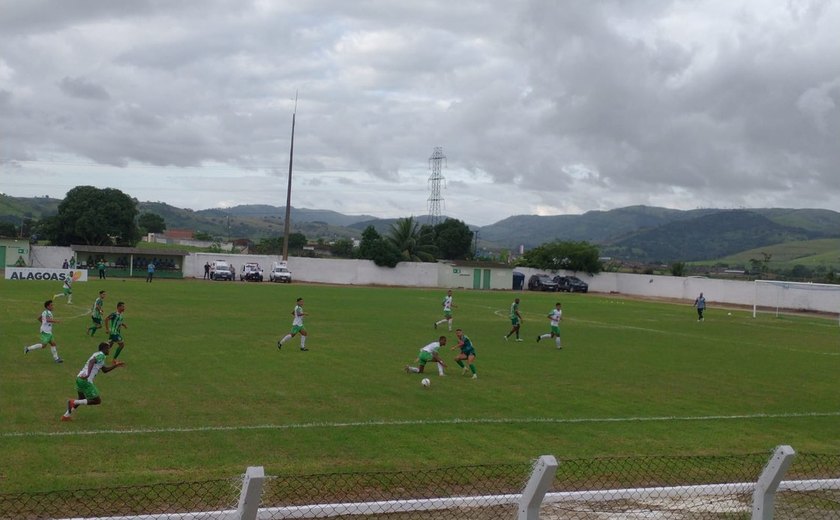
779,296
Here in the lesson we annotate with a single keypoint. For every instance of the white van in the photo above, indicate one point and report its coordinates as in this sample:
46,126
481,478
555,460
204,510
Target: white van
220,270
280,273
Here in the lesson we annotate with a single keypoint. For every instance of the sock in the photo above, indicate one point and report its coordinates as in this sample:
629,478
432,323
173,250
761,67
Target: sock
545,336
54,352
414,369
57,296
286,338
557,341
79,402
449,322
438,322
117,353
440,369
460,363
472,368
34,347
303,342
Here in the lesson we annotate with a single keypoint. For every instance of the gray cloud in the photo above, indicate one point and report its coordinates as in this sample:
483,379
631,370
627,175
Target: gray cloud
574,105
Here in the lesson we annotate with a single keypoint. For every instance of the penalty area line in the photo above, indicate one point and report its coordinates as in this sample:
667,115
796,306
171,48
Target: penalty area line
423,422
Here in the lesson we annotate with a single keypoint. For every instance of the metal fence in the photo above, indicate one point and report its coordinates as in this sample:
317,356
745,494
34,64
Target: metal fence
803,486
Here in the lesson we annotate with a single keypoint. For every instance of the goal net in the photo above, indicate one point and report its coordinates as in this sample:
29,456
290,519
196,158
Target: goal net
778,296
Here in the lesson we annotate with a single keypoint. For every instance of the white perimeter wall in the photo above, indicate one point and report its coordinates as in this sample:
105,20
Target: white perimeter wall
795,297
410,274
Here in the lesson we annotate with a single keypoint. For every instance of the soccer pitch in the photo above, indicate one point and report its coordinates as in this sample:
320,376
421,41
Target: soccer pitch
205,392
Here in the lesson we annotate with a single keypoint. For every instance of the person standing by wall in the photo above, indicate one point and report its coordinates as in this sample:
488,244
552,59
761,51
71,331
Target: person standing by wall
150,272
700,303
100,265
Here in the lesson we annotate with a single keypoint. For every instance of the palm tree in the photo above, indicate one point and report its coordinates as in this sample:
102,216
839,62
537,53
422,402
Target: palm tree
412,245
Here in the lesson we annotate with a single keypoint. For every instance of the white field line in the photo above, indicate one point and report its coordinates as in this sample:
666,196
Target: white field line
424,422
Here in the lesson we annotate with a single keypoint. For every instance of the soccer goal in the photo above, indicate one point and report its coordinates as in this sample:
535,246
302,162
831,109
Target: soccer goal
781,296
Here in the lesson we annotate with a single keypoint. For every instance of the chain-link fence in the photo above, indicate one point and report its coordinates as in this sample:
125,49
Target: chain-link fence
604,488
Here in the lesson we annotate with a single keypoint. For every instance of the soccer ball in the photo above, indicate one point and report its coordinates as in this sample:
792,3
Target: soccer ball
426,382
729,314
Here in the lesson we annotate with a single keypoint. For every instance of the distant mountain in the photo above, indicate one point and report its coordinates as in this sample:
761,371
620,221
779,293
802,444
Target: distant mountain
705,237
642,233
592,226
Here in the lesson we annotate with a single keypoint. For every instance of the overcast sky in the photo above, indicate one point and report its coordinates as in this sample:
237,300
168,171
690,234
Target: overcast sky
541,107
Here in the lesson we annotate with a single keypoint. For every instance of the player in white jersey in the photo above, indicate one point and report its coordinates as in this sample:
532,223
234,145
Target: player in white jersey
66,288
86,390
447,310
429,353
297,327
47,320
555,316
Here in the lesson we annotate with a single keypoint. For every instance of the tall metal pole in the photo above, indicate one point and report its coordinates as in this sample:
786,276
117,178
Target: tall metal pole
287,220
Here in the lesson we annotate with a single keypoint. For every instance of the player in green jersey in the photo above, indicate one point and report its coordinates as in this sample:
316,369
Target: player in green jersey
555,316
467,352
297,327
515,320
87,392
96,314
46,319
113,324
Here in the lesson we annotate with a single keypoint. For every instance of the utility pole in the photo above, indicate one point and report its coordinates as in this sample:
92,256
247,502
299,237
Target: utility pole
435,181
287,222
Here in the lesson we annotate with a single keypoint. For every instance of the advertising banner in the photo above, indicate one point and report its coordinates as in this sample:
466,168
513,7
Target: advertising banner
43,273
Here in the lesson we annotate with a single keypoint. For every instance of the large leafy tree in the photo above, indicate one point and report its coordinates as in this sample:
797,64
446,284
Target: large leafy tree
94,216
453,239
274,245
151,223
412,245
375,247
571,256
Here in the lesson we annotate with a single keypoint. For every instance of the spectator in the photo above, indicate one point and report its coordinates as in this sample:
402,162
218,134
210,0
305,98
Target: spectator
65,265
207,271
150,270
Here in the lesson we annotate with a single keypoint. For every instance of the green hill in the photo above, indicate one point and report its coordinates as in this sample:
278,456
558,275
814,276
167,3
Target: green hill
810,253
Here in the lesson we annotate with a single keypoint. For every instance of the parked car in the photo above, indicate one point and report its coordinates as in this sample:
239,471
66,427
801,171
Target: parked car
280,273
251,272
541,282
571,284
220,270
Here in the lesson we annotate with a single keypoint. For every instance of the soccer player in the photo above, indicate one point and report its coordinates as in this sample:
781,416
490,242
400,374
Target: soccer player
113,323
96,314
447,310
47,320
555,316
66,288
515,320
297,327
467,352
86,390
700,303
429,353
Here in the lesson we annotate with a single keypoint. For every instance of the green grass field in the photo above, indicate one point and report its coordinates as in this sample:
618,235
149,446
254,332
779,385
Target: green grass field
206,393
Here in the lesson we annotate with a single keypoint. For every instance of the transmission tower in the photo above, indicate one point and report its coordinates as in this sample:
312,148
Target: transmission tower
435,182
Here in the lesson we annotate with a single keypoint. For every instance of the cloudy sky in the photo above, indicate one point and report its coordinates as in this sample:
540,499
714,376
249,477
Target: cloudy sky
541,106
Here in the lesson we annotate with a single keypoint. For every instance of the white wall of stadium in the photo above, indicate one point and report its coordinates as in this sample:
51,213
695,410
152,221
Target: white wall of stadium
410,274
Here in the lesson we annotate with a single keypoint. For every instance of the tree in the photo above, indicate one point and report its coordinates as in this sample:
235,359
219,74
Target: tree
94,216
406,238
571,256
453,239
151,223
381,251
7,229
678,269
342,248
297,241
